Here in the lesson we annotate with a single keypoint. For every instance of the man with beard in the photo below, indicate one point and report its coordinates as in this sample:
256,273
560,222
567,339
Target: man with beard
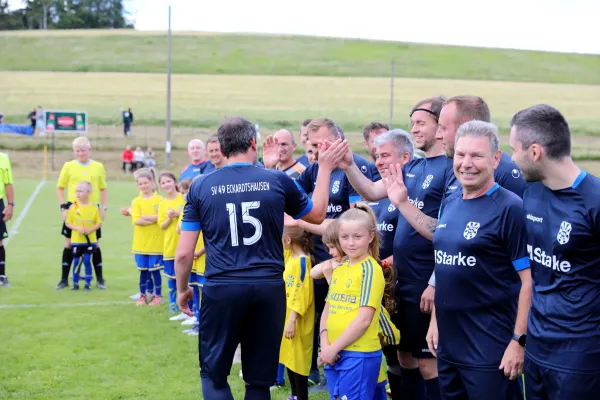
562,216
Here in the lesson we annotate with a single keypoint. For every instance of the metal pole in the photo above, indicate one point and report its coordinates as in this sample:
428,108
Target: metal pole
53,137
168,139
392,95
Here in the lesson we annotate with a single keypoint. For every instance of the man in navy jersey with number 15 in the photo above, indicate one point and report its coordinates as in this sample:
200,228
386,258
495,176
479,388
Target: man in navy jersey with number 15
240,210
562,215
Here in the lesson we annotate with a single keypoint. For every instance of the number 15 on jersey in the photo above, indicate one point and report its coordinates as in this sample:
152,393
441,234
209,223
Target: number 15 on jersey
246,219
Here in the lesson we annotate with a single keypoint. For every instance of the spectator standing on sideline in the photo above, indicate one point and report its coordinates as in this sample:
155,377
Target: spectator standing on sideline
83,168
127,121
285,150
244,294
127,158
138,158
149,158
198,165
213,147
7,203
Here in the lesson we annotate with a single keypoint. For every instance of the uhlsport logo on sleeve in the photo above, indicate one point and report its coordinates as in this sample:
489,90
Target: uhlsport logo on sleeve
471,230
391,208
363,169
336,187
564,233
427,181
516,173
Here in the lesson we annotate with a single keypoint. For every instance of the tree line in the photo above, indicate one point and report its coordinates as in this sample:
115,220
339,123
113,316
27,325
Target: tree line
65,14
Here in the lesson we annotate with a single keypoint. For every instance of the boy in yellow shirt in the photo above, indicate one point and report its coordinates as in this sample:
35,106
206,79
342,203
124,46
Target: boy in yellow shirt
83,219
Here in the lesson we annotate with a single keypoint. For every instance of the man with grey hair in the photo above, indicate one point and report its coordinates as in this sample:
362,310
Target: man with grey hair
562,357
483,293
286,145
198,165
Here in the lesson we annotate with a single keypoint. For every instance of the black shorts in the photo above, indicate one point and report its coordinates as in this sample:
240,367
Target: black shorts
252,314
412,323
3,231
66,232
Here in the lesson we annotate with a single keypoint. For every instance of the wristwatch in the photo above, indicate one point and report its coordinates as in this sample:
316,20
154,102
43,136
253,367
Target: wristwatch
519,339
11,204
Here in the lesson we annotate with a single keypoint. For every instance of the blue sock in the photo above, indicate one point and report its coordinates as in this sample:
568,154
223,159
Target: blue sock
157,282
433,389
149,283
280,375
172,291
87,262
210,392
413,386
196,303
77,261
143,281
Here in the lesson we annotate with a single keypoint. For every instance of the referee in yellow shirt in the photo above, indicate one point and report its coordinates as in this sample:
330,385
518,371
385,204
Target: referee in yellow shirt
6,191
81,169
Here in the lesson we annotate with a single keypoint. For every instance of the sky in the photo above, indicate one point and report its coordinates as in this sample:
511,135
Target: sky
548,25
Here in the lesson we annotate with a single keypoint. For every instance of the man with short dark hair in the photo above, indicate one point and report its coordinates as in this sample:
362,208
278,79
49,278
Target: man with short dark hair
562,216
370,132
213,147
303,159
244,294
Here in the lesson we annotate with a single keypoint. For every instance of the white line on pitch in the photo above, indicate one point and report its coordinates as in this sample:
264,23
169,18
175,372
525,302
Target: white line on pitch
15,226
50,305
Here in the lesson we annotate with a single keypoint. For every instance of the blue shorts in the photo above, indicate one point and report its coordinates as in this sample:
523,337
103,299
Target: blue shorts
354,375
200,279
169,271
543,383
380,392
464,382
412,323
148,262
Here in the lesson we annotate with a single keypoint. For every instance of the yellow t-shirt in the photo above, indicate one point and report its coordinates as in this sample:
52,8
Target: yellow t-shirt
85,217
147,239
74,172
171,235
200,263
354,286
391,336
296,353
6,172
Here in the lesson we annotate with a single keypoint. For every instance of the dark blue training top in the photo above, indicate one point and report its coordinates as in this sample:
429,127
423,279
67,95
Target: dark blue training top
303,160
563,240
387,220
479,247
341,195
193,170
239,209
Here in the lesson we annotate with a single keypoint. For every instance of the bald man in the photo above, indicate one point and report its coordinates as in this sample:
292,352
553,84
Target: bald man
198,165
286,145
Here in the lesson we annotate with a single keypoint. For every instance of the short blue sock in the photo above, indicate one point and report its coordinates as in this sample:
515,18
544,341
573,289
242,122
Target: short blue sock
281,375
413,386
87,262
157,282
433,389
210,392
172,291
196,303
143,281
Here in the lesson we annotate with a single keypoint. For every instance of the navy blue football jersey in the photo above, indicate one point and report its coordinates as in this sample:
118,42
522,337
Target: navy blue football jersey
341,195
193,170
303,159
239,209
387,220
425,180
508,175
479,247
563,240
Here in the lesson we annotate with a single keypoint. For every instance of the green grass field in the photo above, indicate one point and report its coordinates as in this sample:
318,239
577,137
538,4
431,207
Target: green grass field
243,54
98,345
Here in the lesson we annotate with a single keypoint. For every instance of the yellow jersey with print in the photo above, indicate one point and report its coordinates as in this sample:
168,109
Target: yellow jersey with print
296,353
353,286
390,336
170,234
74,172
6,171
147,239
83,216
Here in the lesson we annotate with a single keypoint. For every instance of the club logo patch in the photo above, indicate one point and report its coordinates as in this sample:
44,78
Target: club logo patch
471,230
336,187
516,173
564,233
427,181
363,169
391,208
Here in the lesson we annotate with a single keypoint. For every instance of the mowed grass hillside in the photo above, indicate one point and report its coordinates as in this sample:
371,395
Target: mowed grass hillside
93,346
276,101
245,54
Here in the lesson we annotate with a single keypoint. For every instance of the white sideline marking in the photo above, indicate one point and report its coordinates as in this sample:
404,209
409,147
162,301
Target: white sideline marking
90,304
24,212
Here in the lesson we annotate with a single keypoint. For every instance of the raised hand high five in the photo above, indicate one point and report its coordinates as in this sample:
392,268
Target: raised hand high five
270,152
